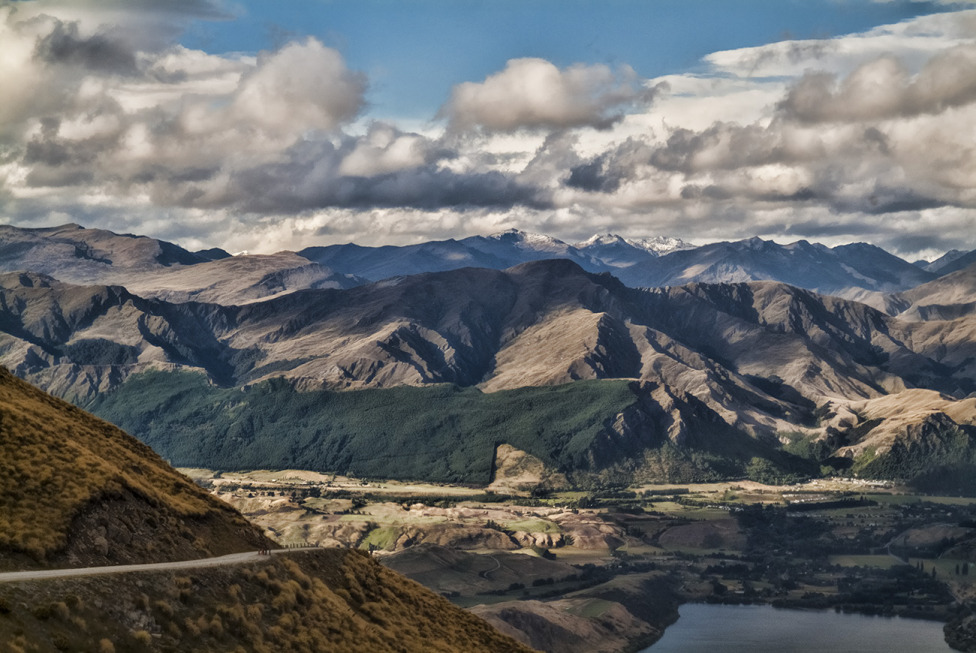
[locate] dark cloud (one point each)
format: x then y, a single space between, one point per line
291 188
59 177
309 177
826 229
710 192
56 162
727 146
206 9
105 52
897 200
593 176
588 176
172 177
896 240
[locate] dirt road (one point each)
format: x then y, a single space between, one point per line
231 559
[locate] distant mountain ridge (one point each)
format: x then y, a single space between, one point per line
154 268
836 271
847 270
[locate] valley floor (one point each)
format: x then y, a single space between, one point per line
604 570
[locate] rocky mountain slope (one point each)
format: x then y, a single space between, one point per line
738 370
77 491
486 327
754 359
947 298
75 254
952 261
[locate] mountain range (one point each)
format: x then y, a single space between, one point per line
852 271
756 376
154 268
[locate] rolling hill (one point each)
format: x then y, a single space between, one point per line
734 371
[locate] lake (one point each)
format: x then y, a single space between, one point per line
755 628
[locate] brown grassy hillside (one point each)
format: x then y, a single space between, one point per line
76 490
334 600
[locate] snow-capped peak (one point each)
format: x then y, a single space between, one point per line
539 242
600 239
659 244
653 244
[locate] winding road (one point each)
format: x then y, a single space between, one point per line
230 559
498 565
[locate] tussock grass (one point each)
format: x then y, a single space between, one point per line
328 600
55 460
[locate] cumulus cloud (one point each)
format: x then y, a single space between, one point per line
182 129
299 87
884 88
869 140
915 42
534 93
385 149
311 178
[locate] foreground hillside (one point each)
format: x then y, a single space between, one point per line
77 491
329 600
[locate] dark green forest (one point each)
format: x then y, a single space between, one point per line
437 433
447 434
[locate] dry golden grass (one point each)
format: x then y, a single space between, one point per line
328 600
56 459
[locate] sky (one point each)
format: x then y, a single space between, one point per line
260 126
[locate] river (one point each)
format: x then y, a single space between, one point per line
758 628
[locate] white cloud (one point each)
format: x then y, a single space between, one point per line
383 150
534 93
303 86
915 41
884 88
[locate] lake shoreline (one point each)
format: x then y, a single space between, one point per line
751 627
